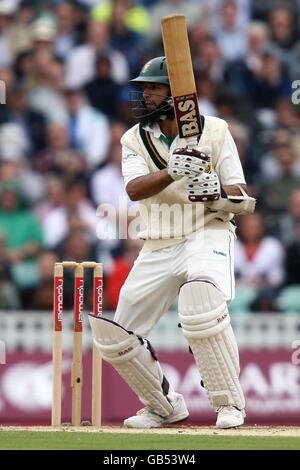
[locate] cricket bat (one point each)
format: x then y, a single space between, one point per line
181 76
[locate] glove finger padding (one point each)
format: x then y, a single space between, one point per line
188 162
203 188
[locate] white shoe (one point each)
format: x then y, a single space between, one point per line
146 418
230 417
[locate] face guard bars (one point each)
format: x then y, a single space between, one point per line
140 111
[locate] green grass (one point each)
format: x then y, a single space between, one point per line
34 440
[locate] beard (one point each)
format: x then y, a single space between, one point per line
144 115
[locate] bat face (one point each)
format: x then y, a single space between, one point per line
187 115
181 76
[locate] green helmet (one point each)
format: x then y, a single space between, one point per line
154 71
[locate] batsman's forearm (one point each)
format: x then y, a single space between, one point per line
234 190
148 185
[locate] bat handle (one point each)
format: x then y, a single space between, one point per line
192 142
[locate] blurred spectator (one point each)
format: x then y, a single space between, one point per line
18 28
257 39
126 36
7 76
38 73
81 61
292 266
103 92
9 295
43 33
242 138
271 169
77 247
88 129
7 9
42 294
70 165
14 167
287 116
136 16
208 58
281 22
13 141
57 143
108 193
58 157
23 67
229 35
268 81
31 122
66 37
211 10
276 193
77 213
198 33
285 224
231 107
54 196
206 89
107 183
23 237
192 12
294 63
261 10
46 94
120 270
259 258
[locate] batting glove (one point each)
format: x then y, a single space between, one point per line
188 162
203 188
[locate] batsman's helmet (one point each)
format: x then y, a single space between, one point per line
154 71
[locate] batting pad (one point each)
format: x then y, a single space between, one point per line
205 322
134 360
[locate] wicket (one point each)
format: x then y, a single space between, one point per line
76 376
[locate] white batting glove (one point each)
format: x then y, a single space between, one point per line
188 162
203 188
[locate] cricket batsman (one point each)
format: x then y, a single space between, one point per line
190 256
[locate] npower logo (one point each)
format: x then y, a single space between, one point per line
80 298
99 298
59 294
2 92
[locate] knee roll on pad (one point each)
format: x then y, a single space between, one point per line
135 361
205 322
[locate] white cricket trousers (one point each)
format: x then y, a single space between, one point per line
155 278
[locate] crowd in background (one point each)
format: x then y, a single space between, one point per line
66 67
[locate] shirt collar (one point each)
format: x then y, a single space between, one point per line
156 131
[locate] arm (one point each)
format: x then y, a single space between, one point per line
225 188
234 190
146 186
141 184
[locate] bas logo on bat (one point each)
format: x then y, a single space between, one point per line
186 108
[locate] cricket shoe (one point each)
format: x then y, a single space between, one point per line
230 417
146 418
